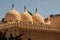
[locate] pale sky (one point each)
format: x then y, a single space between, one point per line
45 7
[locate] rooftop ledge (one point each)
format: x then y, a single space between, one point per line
31 26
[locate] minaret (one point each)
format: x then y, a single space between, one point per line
12 6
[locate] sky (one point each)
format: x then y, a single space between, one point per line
45 7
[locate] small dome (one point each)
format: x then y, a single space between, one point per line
26 17
37 17
12 15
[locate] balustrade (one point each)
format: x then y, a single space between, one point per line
30 25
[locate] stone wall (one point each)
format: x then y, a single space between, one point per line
33 31
33 34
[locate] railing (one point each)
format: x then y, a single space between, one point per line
30 25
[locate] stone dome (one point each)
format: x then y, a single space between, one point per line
12 15
25 16
37 18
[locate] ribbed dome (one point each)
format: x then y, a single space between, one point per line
37 17
26 17
12 15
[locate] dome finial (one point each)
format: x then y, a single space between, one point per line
12 6
36 9
25 8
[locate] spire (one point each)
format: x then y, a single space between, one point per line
12 6
24 8
36 10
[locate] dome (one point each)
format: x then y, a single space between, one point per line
37 17
12 15
26 17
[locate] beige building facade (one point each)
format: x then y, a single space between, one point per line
31 26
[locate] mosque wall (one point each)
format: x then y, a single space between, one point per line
30 32
55 20
40 35
33 34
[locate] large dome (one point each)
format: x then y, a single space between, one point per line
37 17
12 15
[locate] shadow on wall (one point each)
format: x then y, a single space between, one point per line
3 36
